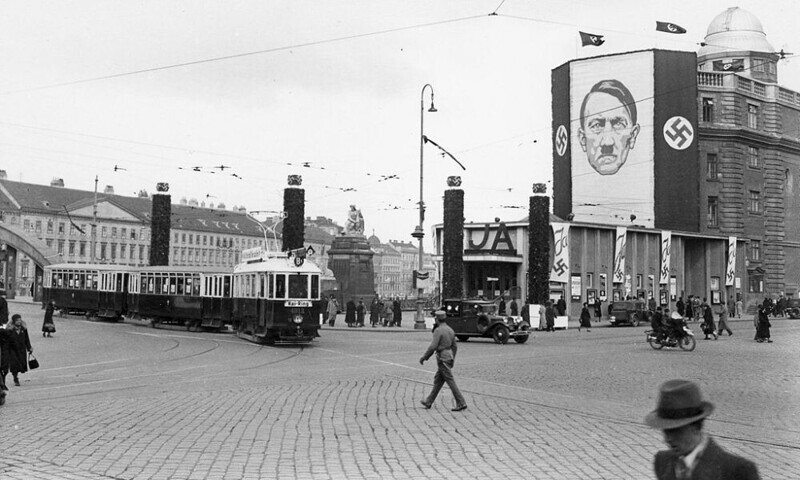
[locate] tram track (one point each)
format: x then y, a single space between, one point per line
611 418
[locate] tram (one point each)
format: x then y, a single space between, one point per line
88 289
192 297
276 297
271 297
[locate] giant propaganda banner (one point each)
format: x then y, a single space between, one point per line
611 115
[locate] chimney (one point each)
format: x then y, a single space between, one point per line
3 175
57 182
108 190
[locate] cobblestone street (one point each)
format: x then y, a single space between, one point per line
123 401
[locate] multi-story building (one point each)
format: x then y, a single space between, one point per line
409 256
62 219
674 174
388 264
749 148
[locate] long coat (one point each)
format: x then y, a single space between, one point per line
3 311
48 326
350 313
586 318
398 312
18 347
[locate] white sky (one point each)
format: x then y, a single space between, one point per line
336 84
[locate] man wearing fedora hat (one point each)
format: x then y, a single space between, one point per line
693 455
444 345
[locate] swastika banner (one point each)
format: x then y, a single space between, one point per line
730 270
666 249
620 245
560 272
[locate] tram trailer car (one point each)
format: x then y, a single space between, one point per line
197 298
276 299
94 290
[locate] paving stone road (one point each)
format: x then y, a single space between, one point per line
124 401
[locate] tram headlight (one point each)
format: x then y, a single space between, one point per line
298 319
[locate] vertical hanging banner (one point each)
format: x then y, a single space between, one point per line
730 270
560 272
619 254
666 249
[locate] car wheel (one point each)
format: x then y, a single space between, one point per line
500 334
462 338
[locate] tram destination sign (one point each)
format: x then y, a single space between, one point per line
297 303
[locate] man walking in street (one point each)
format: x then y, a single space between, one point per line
444 345
723 319
692 454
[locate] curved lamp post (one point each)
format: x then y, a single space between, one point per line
419 233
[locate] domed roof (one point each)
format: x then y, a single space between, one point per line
735 30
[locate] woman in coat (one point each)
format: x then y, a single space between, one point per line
361 310
708 323
397 316
350 313
19 346
48 327
762 330
586 318
333 309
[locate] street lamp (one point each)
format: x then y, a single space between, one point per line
419 233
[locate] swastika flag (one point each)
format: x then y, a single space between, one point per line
669 27
591 39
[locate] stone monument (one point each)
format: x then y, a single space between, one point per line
350 260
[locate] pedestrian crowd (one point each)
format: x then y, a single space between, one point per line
387 313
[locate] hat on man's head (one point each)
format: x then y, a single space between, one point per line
439 314
679 403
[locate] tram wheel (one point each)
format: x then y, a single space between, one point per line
462 338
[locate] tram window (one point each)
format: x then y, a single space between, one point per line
173 283
195 290
151 287
71 281
298 286
315 286
181 281
59 281
262 283
271 285
280 286
226 287
158 281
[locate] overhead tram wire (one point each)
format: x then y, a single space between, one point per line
240 55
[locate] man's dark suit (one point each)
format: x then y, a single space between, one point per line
714 463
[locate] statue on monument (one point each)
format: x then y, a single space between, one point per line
355 222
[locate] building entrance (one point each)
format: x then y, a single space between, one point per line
492 279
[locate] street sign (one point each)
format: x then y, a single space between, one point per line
492 279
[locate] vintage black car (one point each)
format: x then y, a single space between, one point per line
479 318
792 308
628 312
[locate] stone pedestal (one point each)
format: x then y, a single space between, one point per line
350 260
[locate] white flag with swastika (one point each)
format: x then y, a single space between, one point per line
666 250
620 245
560 272
730 270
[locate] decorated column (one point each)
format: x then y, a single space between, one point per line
539 246
295 208
160 219
453 242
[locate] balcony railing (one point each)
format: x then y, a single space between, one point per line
742 84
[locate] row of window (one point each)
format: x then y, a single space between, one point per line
712 163
276 286
211 240
754 206
108 251
36 226
707 113
197 256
